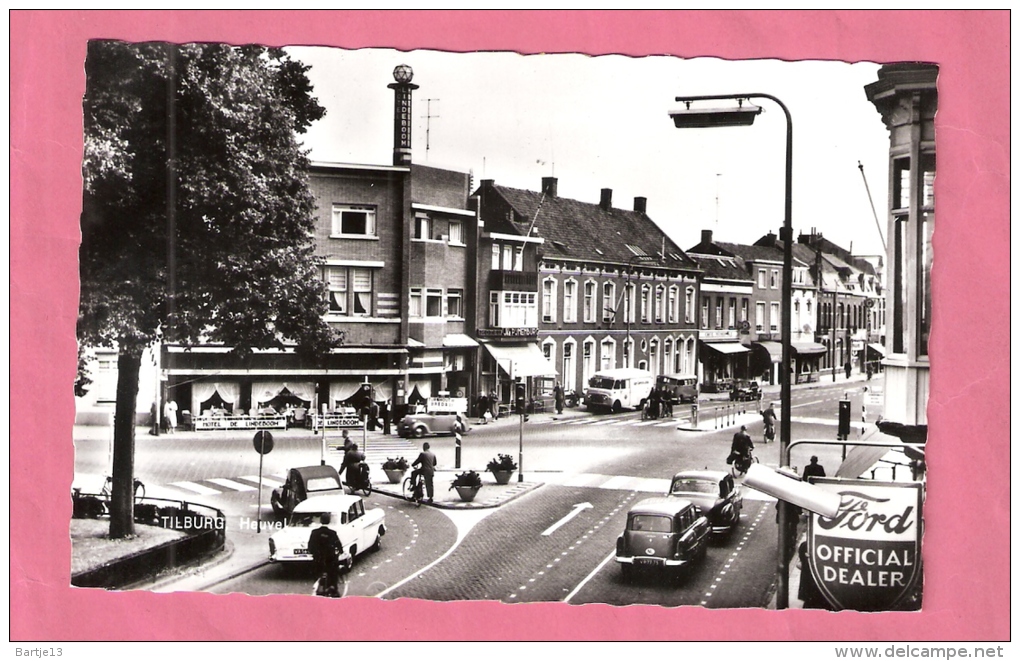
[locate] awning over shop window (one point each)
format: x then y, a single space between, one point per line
808 348
726 347
521 361
455 340
774 349
877 348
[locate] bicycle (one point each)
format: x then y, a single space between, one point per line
414 489
742 463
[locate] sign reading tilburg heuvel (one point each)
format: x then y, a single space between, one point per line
868 556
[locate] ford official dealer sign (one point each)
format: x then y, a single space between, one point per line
868 556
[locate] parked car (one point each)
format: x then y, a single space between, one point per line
304 483
358 529
424 424
682 388
714 493
662 533
745 391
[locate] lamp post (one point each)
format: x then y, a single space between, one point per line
744 116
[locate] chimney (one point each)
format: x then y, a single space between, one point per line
549 186
606 202
706 236
769 240
402 113
640 204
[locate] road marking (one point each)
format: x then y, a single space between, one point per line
577 509
197 488
230 484
267 482
817 401
587 578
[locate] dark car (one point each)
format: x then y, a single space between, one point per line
715 495
303 483
745 391
424 424
665 534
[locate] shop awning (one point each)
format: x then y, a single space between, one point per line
808 348
877 348
775 350
521 360
457 340
726 347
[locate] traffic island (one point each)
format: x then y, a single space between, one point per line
490 495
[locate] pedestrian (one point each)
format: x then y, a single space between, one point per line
870 372
558 397
813 470
384 413
769 417
170 413
494 405
849 368
483 407
346 438
427 462
325 548
808 591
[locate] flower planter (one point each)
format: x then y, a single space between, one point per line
394 475
467 494
502 477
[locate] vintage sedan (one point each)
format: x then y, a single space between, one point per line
358 529
745 391
662 533
425 424
304 483
714 493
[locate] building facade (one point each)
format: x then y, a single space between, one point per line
609 289
906 97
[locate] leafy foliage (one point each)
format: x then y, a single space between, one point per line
502 462
398 464
197 216
466 479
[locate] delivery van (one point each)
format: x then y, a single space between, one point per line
681 387
613 390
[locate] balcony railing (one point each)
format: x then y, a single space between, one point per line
513 281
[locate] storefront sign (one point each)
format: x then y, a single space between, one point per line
447 404
867 557
507 332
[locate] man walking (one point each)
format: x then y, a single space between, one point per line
325 547
426 463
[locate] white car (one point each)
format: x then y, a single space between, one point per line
358 529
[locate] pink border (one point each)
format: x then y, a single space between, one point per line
967 543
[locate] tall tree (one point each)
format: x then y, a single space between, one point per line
197 217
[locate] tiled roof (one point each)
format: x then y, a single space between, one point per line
586 231
719 267
752 253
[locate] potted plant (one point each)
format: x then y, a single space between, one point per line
502 467
395 469
467 485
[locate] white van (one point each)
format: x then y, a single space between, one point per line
611 390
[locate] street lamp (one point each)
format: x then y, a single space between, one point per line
744 116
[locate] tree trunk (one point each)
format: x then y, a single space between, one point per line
122 500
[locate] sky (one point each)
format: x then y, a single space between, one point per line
602 122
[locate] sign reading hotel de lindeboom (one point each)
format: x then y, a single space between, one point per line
867 557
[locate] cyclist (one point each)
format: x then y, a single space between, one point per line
353 459
741 448
427 462
769 416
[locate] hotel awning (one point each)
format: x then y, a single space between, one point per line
774 349
458 340
877 348
726 347
521 360
808 348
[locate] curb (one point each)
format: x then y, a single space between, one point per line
509 495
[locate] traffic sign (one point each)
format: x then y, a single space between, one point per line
263 442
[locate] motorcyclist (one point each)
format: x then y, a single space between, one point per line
741 447
353 460
325 548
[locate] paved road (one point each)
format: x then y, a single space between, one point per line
605 461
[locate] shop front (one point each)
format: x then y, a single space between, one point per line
721 363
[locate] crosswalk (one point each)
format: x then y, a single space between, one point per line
591 421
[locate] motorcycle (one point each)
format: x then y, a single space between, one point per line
358 478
